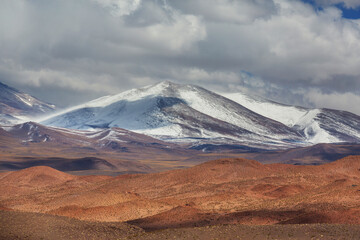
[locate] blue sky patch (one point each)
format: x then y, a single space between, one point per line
349 13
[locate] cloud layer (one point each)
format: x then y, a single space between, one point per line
282 49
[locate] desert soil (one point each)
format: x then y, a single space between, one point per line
230 197
34 226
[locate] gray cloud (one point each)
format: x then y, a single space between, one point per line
282 49
228 11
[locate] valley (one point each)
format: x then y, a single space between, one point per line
190 119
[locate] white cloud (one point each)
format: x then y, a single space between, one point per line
61 79
296 45
172 31
178 32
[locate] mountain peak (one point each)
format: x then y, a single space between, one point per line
165 84
160 87
171 85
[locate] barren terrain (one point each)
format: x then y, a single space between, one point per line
226 191
34 226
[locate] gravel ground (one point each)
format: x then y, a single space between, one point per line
20 225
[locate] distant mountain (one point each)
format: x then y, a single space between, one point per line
115 139
115 150
316 125
178 112
16 105
311 155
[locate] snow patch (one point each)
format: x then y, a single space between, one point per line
288 115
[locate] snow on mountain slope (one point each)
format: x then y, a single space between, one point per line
288 115
16 106
169 110
341 125
317 125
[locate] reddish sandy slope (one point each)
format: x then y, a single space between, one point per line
216 192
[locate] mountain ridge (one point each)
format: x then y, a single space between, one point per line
313 123
16 106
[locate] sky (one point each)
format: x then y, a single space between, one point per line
296 52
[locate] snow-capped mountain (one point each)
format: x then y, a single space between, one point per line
175 112
181 112
316 125
16 105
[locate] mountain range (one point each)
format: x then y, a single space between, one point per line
192 115
188 113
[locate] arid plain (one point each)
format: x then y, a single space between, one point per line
222 194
